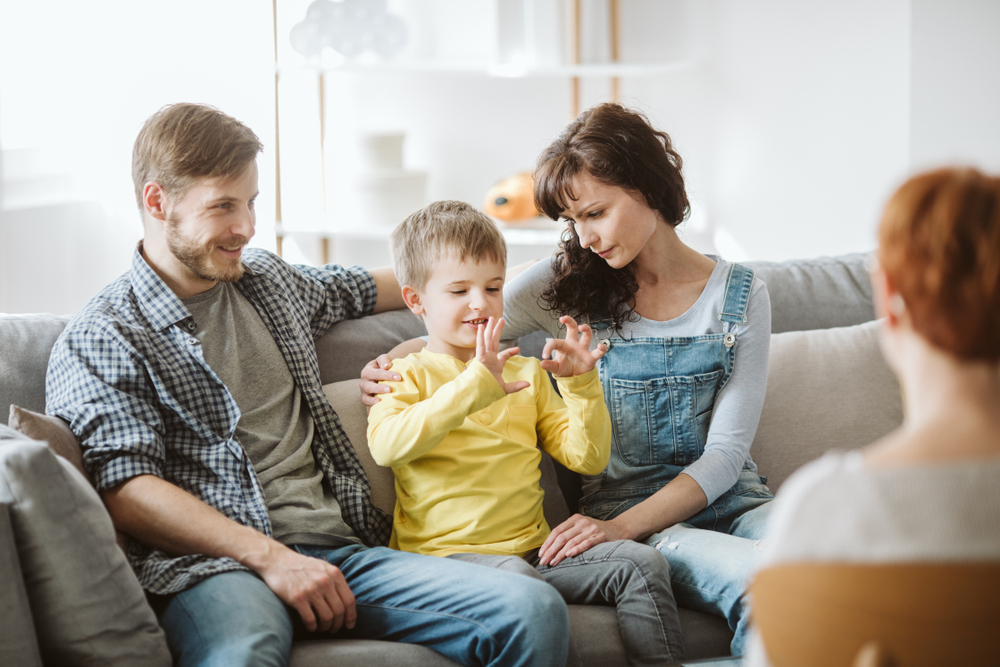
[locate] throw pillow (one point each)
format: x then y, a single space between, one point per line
60 438
826 389
86 602
51 430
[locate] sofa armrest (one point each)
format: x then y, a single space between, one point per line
18 645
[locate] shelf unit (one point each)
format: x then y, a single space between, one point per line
540 236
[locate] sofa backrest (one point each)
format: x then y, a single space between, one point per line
25 343
817 293
805 294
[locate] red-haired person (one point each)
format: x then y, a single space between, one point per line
929 491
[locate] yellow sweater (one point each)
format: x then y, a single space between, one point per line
464 453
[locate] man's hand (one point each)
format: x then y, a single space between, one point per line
374 372
574 536
164 516
488 353
313 587
572 354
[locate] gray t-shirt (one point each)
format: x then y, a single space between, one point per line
275 427
737 407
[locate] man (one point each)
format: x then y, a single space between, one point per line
192 385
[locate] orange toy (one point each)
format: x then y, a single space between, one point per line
512 199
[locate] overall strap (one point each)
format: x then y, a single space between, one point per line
738 284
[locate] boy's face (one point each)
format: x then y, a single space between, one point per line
460 295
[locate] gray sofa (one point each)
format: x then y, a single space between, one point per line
828 387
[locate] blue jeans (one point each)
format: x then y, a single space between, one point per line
471 614
714 554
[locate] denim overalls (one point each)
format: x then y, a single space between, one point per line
660 394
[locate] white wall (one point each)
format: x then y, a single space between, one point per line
796 120
77 80
955 89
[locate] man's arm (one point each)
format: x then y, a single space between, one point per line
163 516
390 296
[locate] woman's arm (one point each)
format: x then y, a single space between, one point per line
675 502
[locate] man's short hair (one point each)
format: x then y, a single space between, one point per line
437 229
181 143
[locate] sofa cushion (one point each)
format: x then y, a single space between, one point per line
817 293
826 389
26 341
17 631
86 603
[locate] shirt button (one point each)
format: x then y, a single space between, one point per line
190 326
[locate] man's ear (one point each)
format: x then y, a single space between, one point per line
412 299
154 200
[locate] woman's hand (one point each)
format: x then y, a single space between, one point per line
574 536
374 372
488 353
572 354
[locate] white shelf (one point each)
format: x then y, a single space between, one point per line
501 70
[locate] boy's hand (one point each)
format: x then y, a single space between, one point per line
572 354
489 355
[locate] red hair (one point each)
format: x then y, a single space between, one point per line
939 244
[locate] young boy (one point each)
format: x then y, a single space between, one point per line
461 431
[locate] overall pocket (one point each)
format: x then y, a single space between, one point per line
662 420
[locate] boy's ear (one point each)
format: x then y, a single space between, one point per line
412 299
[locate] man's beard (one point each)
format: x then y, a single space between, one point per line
197 258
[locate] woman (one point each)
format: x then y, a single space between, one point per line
685 373
928 491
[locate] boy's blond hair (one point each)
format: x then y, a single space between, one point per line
437 229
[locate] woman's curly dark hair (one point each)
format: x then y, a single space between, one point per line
618 147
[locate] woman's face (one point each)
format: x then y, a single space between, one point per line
610 221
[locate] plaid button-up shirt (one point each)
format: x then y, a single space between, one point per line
130 377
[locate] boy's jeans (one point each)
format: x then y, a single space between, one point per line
627 574
467 613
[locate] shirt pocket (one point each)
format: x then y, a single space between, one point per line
521 422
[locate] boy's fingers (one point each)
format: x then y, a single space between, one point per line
508 353
514 387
